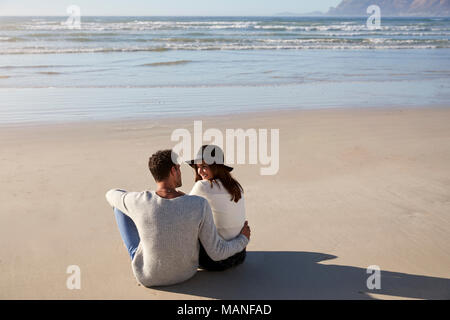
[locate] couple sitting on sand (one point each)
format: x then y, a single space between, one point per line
169 234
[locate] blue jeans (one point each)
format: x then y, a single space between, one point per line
128 231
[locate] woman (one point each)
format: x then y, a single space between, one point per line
214 182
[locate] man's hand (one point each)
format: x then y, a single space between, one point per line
246 230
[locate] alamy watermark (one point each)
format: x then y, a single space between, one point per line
234 145
374 20
74 19
74 280
374 280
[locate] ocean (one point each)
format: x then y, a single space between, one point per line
123 68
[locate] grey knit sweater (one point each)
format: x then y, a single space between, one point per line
169 230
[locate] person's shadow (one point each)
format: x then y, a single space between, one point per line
299 275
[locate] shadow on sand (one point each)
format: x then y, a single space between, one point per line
299 275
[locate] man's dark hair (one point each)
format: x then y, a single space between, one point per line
160 164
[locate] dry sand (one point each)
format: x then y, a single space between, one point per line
356 187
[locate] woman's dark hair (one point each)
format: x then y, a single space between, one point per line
230 184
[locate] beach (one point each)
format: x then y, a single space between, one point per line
358 205
356 187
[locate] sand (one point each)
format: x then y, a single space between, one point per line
356 187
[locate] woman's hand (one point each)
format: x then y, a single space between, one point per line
246 230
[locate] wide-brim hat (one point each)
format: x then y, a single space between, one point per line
210 154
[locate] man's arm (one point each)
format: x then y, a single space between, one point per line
216 247
116 199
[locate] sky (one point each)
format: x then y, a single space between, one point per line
163 7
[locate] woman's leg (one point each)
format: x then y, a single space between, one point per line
206 263
128 231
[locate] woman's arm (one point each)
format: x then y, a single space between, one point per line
198 189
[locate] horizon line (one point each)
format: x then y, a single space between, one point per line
273 15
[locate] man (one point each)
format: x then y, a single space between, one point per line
161 229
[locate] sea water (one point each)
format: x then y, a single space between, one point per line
114 68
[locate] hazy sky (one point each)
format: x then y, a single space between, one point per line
163 7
